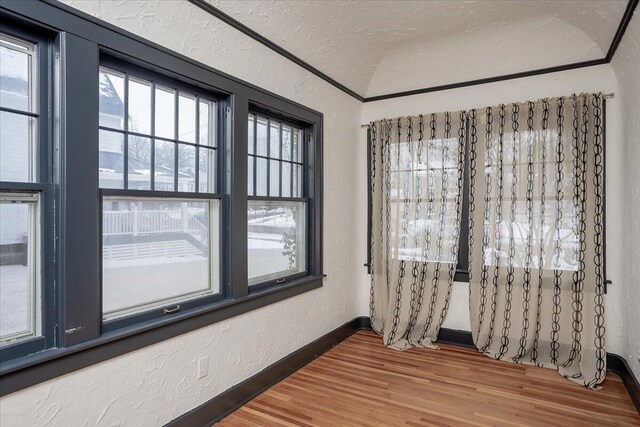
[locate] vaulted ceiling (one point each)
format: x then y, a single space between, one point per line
381 47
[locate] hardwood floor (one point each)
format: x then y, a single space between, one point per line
361 383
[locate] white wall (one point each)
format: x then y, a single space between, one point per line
158 383
626 64
153 385
592 79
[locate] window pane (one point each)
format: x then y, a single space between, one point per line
297 145
19 275
286 179
250 140
139 106
157 252
274 180
165 113
261 136
165 165
111 99
250 176
286 142
111 159
187 118
207 168
186 167
274 140
277 239
207 123
16 74
139 163
298 185
261 177
17 153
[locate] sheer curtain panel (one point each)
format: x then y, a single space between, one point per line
416 195
536 234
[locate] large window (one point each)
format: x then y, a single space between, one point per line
277 208
160 244
132 209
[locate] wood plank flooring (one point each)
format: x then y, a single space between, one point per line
361 383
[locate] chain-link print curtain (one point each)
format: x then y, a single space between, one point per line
416 193
536 234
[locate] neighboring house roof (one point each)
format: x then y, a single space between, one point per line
110 102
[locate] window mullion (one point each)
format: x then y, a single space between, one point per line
236 218
78 201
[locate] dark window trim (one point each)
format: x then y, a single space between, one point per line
81 340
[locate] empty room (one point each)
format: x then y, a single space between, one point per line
319 213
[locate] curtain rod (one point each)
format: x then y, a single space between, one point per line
605 96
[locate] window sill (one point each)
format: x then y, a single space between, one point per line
42 366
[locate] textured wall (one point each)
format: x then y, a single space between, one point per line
626 65
484 52
153 385
592 79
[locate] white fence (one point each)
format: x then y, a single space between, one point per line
145 222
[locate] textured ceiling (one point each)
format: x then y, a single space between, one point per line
379 47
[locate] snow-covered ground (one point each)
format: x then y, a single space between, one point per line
135 274
268 257
13 299
127 284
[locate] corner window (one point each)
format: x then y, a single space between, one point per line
277 206
160 210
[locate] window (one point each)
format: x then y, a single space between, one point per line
160 243
166 143
438 164
19 272
24 193
157 252
19 113
428 176
277 208
127 215
515 168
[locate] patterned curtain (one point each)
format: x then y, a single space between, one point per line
416 194
536 234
